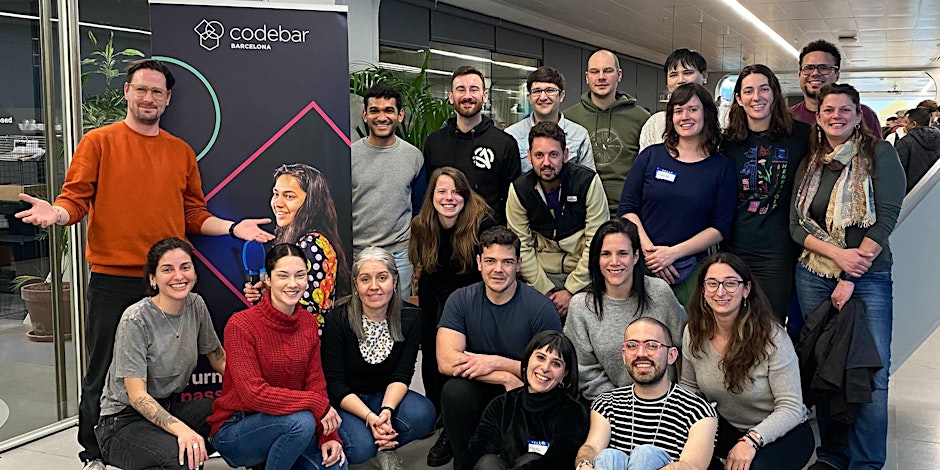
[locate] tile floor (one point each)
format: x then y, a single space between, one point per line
913 434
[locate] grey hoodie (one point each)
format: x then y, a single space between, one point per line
615 137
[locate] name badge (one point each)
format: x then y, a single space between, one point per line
539 447
571 198
665 175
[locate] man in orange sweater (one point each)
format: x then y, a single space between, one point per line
138 184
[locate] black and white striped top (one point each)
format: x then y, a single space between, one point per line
663 422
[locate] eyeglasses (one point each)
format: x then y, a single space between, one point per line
651 345
731 285
823 69
550 92
141 91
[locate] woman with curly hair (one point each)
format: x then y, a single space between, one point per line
681 193
736 354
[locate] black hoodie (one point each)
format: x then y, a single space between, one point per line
488 157
918 151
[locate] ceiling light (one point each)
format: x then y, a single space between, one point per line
482 59
746 14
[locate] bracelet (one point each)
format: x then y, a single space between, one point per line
754 442
59 213
231 230
584 462
389 408
756 434
749 441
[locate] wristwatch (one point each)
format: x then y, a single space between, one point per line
584 462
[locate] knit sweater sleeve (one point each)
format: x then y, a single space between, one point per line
889 185
592 378
81 178
784 375
486 438
194 201
411 330
244 370
687 377
333 349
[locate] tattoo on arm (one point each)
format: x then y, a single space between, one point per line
218 354
156 414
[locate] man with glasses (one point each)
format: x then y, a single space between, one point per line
546 88
652 423
471 143
138 184
819 66
613 119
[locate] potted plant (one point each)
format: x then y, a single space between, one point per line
97 110
425 113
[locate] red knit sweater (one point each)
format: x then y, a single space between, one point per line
136 189
272 366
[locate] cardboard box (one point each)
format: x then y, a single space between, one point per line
11 192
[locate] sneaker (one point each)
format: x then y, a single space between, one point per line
441 451
388 460
94 465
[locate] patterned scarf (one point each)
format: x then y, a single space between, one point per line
852 202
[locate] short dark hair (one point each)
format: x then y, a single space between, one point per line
548 129
685 56
666 333
711 131
382 90
820 45
282 250
891 118
502 236
467 70
545 74
558 343
157 250
150 64
919 116
929 105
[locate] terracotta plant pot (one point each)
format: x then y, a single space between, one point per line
38 299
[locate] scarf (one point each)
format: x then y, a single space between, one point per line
852 202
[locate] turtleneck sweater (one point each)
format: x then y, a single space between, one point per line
272 366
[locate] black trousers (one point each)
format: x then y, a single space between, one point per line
462 405
789 452
776 278
108 297
131 442
495 462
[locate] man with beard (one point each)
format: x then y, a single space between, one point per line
471 143
555 208
819 66
388 181
138 184
546 87
481 338
652 423
613 120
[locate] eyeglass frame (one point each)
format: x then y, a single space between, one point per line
738 282
646 346
549 92
152 91
808 69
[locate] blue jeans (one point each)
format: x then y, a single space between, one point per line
286 442
643 457
413 419
405 272
867 440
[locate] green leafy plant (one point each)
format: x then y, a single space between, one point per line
424 112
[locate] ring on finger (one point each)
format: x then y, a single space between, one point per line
195 445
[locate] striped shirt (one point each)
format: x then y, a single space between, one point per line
663 422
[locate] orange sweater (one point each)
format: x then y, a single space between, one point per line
136 190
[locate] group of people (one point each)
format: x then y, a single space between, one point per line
610 307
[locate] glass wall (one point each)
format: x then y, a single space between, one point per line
505 74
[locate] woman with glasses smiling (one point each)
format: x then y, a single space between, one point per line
736 354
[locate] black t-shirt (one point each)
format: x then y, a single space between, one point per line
766 173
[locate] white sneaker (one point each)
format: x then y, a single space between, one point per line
388 460
94 465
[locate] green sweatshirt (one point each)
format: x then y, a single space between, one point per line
615 136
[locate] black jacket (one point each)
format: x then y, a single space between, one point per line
838 361
918 151
488 157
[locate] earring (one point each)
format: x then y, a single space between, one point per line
745 303
561 384
153 286
858 126
819 134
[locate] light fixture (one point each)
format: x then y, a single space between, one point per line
482 59
410 69
746 14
